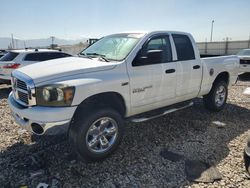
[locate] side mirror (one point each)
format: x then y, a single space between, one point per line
151 57
154 56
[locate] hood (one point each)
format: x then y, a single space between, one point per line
63 67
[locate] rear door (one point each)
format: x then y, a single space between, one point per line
189 67
151 83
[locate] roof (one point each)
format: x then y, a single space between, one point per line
152 32
33 50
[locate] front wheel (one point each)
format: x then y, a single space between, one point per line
95 135
217 97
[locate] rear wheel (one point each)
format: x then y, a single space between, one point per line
217 97
95 135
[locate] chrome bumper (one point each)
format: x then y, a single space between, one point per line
48 128
27 118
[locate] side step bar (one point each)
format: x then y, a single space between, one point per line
162 112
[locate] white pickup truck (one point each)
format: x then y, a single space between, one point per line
133 76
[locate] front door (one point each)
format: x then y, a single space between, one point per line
152 82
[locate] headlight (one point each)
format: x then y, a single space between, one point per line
55 95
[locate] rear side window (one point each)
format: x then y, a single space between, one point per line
44 56
35 57
10 56
58 55
184 47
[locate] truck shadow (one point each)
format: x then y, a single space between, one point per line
138 161
4 91
244 77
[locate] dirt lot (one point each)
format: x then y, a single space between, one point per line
152 154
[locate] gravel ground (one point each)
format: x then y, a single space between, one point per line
143 158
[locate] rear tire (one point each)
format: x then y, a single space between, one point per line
216 99
96 134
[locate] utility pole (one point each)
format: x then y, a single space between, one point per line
206 46
52 42
12 41
212 28
249 42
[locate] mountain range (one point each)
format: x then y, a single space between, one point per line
6 41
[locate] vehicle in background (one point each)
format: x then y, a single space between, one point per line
2 53
91 41
132 76
19 58
244 56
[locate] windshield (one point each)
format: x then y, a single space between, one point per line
244 52
9 56
114 47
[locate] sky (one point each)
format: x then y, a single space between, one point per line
32 19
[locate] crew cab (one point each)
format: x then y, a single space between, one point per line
135 76
14 59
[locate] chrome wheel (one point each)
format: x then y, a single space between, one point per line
101 135
220 96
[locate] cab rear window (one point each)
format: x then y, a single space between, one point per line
10 56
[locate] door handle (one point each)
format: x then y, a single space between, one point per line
168 71
196 67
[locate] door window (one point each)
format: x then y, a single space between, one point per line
184 47
159 43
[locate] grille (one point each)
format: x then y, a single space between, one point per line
22 91
242 61
21 84
23 97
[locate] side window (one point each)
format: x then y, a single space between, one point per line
31 57
184 47
44 56
9 56
58 55
160 43
36 57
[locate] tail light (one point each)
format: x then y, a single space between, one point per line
11 66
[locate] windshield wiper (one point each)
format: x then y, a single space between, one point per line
84 55
99 55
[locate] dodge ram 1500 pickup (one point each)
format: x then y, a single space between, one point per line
134 76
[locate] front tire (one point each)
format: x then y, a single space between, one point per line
96 134
216 99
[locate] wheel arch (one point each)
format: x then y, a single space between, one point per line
106 99
223 76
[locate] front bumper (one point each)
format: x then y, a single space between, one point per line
42 120
244 68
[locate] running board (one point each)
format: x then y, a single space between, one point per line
163 111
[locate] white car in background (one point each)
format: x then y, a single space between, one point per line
244 56
19 58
